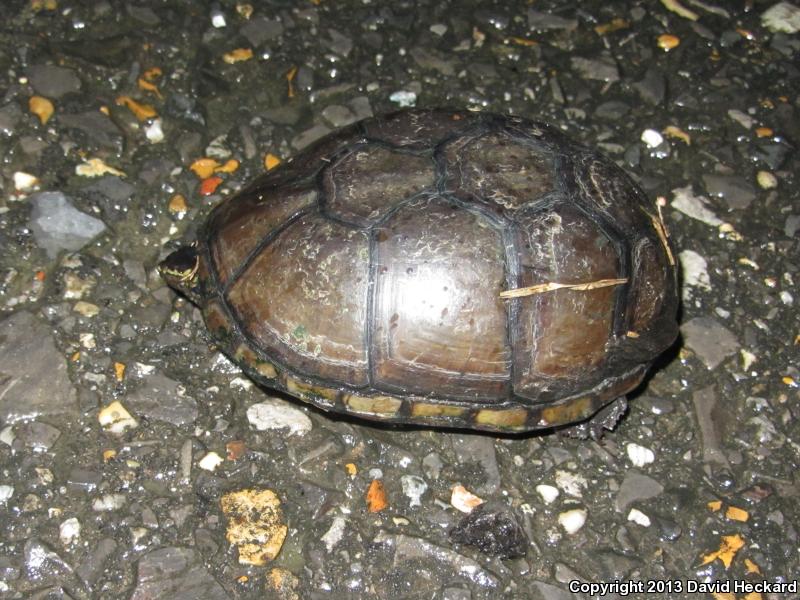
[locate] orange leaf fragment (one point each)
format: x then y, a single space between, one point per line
41 107
751 567
228 167
667 41
271 161
236 449
723 596
39 275
376 497
351 469
737 514
140 111
148 87
204 167
714 505
209 186
728 548
177 204
615 25
763 132
290 80
119 371
753 596
238 55
520 41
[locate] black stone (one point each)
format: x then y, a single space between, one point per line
493 529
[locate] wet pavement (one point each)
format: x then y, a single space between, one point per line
138 462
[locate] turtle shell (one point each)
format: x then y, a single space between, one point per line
366 275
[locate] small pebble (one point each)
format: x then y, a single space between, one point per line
439 29
783 17
275 413
87 309
403 98
572 520
639 455
639 517
334 534
210 461
571 483
115 418
153 132
218 19
108 502
6 491
766 180
548 493
25 182
69 531
464 500
413 487
652 138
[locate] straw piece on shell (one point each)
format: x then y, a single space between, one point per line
553 285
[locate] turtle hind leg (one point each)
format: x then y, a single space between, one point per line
595 426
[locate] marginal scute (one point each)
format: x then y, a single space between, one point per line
503 418
381 406
216 319
426 409
301 389
648 285
568 412
498 170
365 184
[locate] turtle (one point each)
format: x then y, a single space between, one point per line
440 267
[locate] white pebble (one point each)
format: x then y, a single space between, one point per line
87 340
571 483
652 138
6 491
210 461
572 520
413 487
218 19
115 419
153 132
782 17
7 435
69 531
439 29
275 413
694 269
404 98
548 493
639 518
24 182
108 502
639 455
335 533
464 500
787 298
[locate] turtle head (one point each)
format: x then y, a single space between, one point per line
180 270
